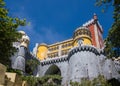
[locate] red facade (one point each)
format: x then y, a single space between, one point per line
96 32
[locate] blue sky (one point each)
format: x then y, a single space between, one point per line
55 20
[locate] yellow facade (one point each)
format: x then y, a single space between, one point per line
86 40
59 49
42 51
62 48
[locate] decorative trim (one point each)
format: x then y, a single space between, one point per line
102 52
55 60
83 48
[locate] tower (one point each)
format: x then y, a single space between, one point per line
19 62
82 36
82 58
96 32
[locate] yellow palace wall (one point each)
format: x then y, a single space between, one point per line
61 48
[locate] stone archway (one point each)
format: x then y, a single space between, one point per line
53 70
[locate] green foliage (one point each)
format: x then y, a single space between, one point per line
101 2
31 65
113 40
99 81
31 80
8 34
104 3
19 72
48 80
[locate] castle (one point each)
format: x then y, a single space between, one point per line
81 56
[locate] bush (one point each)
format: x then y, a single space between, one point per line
48 80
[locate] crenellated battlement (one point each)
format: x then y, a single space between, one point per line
54 60
82 49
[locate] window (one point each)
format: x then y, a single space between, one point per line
76 34
57 47
80 33
64 52
49 49
63 46
56 54
69 44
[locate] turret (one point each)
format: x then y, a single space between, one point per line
96 32
82 36
42 51
20 59
25 41
83 63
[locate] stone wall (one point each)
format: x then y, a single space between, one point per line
10 79
2 74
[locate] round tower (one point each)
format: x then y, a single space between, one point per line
83 61
42 51
82 36
20 59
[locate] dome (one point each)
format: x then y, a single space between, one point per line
81 28
22 32
43 44
82 31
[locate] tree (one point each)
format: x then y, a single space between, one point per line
8 34
30 69
113 40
